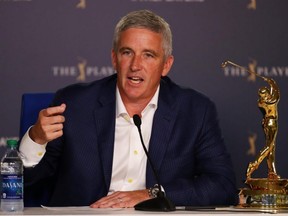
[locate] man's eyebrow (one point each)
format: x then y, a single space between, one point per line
124 48
153 52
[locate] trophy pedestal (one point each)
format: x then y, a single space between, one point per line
265 193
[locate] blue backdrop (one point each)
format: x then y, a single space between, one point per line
45 45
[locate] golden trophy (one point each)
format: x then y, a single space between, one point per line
270 192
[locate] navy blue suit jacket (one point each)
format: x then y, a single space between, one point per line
186 148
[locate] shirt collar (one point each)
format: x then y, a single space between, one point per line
121 110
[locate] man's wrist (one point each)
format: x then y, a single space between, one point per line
33 136
153 191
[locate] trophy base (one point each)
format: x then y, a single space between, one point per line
265 193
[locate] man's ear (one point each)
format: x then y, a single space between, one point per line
167 65
114 59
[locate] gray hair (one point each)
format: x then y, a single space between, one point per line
148 20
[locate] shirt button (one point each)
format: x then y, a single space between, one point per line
135 152
130 180
40 154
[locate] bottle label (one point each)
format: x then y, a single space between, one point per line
12 187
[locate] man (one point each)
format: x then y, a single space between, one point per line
94 153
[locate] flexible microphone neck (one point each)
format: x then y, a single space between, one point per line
160 203
138 122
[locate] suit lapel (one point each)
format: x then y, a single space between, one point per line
105 128
163 122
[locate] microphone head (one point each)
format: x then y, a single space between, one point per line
137 120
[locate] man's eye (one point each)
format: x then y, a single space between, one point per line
149 55
126 52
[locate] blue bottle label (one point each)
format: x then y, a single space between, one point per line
12 187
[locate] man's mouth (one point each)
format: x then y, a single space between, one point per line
135 79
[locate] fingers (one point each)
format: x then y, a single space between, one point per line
49 125
52 111
126 199
116 200
52 116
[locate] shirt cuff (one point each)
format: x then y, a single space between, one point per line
31 152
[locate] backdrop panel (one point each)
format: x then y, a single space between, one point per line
45 45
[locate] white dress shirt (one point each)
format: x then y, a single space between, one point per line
129 159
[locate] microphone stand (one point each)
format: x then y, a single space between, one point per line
161 202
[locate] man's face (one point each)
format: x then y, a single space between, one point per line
140 63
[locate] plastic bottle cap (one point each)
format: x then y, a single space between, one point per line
12 143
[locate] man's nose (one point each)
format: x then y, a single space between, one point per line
136 63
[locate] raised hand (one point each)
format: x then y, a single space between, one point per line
49 125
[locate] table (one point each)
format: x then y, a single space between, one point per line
84 211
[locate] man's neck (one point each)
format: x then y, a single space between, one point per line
135 107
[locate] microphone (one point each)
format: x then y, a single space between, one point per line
161 202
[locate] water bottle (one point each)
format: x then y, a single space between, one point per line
12 179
